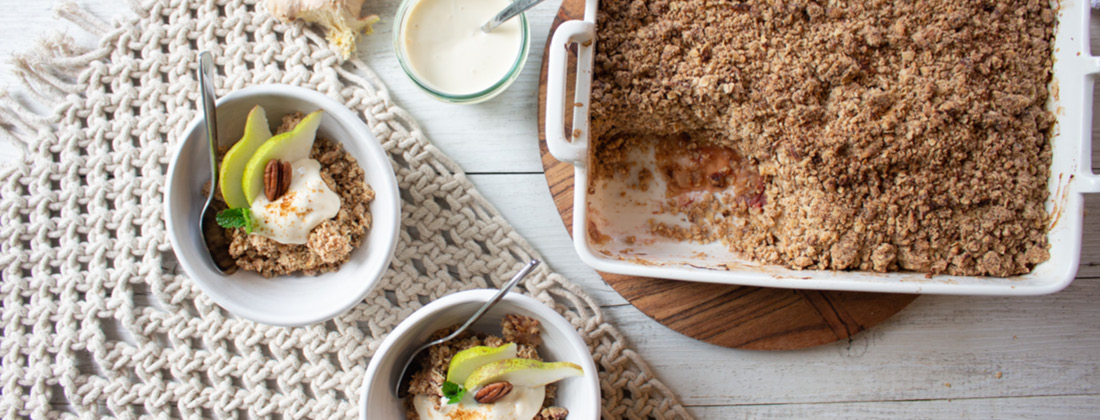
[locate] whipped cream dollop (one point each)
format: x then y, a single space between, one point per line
307 203
522 403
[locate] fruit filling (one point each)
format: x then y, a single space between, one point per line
690 166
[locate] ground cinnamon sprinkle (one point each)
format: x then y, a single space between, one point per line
890 135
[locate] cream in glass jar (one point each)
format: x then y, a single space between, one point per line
442 47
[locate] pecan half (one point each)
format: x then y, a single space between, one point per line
493 392
276 179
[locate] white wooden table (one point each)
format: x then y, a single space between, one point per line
944 356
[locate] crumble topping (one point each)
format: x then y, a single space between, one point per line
887 135
521 330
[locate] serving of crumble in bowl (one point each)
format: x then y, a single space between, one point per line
507 322
288 275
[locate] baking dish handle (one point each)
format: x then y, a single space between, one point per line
1087 181
571 32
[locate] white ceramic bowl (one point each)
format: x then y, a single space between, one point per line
286 300
561 343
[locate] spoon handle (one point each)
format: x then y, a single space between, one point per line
206 83
517 7
496 298
212 235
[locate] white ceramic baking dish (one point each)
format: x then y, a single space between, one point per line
1071 176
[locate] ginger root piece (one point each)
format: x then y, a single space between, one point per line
339 17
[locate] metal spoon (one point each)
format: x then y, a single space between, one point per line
514 9
406 376
212 234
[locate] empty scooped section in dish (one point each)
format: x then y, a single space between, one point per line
644 203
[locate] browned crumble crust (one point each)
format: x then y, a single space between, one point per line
522 330
330 244
552 413
906 135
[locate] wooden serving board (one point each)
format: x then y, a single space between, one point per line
753 318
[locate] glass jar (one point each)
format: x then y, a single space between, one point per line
400 24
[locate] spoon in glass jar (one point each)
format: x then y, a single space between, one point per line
513 10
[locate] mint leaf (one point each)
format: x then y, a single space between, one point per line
248 223
453 392
235 218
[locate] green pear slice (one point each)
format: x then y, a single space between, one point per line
256 132
465 361
289 146
522 372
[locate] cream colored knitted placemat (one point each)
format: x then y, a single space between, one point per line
98 322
